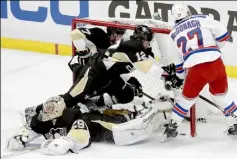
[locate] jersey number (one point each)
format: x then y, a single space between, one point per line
182 41
129 68
141 56
79 124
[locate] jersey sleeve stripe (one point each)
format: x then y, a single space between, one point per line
179 68
224 37
200 50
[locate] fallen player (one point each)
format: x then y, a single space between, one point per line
78 127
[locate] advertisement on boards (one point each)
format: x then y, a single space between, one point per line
50 21
41 13
145 9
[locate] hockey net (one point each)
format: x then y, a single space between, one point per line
212 118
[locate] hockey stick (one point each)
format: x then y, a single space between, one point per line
209 101
215 105
148 96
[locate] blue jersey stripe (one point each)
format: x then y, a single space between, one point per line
228 114
228 107
181 115
222 36
179 71
200 51
179 65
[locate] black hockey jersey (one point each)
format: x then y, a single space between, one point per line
62 125
97 37
132 48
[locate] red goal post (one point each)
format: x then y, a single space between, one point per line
131 27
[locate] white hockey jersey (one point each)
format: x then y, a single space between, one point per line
198 39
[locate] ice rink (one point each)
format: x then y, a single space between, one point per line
27 79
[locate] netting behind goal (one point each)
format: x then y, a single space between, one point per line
151 82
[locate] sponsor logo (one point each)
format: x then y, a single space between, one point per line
41 14
143 11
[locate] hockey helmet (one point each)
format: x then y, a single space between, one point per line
143 32
114 30
180 11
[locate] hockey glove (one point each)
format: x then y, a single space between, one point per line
150 53
82 59
75 67
136 86
170 69
171 80
83 56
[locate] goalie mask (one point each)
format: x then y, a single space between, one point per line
115 34
52 109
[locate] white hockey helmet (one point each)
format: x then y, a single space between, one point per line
180 11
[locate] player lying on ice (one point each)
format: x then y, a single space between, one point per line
76 128
104 73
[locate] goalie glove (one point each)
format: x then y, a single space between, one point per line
19 141
171 79
136 86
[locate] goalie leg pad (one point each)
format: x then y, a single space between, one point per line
138 129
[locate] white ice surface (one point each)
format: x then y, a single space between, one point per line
27 79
